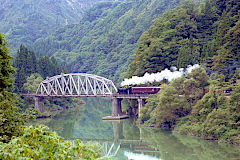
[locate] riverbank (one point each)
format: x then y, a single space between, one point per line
209 115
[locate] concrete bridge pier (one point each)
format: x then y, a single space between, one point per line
117 113
116 107
39 104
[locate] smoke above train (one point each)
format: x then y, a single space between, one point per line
167 74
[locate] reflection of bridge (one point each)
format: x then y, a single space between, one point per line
82 85
112 146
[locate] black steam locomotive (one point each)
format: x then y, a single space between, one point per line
138 90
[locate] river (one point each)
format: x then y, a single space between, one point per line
123 140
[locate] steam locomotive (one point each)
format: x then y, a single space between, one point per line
138 90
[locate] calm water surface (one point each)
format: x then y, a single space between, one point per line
123 140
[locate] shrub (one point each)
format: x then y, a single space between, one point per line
39 143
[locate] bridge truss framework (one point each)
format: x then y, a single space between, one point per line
76 84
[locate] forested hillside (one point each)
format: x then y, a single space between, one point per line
204 104
24 21
190 34
105 40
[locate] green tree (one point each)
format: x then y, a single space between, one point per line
39 143
21 58
48 67
56 68
227 52
167 109
32 63
6 69
32 83
26 64
10 118
20 79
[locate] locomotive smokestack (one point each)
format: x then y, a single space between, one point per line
165 74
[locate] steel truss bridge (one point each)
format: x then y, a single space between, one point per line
83 85
76 84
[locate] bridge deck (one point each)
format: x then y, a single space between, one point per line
116 95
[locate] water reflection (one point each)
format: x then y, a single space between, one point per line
62 121
184 147
124 140
90 125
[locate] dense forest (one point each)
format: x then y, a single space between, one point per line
104 41
26 64
24 21
206 34
190 34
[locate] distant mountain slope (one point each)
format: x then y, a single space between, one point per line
105 40
24 21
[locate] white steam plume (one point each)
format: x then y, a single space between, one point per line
165 74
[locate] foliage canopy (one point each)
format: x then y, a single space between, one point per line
10 118
39 143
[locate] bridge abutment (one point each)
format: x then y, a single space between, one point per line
39 104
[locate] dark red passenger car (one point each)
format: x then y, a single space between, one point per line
139 90
149 90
